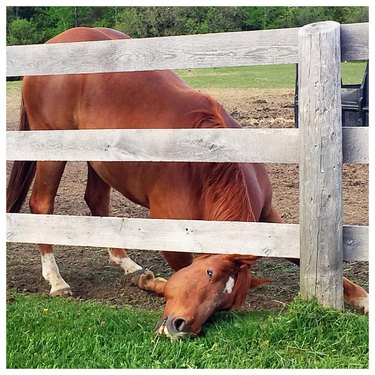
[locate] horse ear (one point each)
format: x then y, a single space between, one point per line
243 259
255 282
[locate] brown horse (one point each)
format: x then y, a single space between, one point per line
206 191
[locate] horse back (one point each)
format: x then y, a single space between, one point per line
87 34
136 100
151 99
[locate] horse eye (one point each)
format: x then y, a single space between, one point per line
209 274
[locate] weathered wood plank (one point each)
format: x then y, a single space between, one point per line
263 239
356 243
194 145
320 169
355 145
177 52
354 42
215 145
155 234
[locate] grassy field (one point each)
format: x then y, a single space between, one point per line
45 332
251 77
259 77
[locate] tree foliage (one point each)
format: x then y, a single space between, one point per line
22 31
27 25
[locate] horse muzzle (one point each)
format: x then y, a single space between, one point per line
174 328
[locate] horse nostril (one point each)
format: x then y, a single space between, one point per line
179 324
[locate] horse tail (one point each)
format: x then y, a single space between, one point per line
21 175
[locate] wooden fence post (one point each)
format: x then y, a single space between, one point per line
320 163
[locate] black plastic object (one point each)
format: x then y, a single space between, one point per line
354 102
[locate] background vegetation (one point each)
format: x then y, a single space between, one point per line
28 25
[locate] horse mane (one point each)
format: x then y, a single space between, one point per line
209 116
225 195
241 286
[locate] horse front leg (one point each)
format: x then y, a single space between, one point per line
148 282
97 197
177 260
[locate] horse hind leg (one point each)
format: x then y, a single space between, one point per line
97 197
47 180
354 295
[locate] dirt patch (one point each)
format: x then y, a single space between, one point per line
91 276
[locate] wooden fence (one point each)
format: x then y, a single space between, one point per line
320 146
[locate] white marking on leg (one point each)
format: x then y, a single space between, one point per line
362 303
229 285
51 273
128 265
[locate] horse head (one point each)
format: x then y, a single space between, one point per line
211 283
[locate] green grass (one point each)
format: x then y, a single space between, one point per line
47 332
13 85
259 77
251 77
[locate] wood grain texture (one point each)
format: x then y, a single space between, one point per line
320 124
193 145
244 48
356 243
263 239
354 42
355 145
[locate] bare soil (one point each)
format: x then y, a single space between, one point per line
88 270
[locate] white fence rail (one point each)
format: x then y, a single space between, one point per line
176 52
193 145
263 239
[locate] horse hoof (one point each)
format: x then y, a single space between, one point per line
140 276
363 305
65 292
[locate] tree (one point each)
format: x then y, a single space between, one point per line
22 31
51 21
355 14
297 16
38 24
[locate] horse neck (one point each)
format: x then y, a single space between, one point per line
225 195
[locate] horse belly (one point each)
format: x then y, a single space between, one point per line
128 178
164 188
